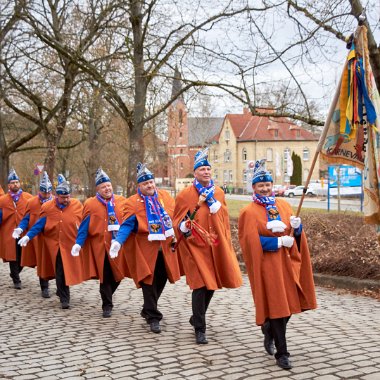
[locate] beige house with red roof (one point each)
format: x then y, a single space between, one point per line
244 138
235 141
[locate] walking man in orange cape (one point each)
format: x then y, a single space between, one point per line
58 222
148 232
32 254
277 263
12 209
206 252
102 216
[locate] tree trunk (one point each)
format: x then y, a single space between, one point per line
93 155
51 155
136 140
4 170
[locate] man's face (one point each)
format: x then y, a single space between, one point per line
14 186
105 190
263 188
64 199
44 195
147 187
203 175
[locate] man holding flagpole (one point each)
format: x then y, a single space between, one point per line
205 248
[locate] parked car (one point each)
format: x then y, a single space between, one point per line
298 191
278 190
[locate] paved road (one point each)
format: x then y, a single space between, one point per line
313 202
38 340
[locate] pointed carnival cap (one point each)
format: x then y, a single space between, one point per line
200 158
12 176
101 176
63 187
45 184
260 174
143 173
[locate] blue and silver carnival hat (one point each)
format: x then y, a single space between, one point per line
200 159
12 176
260 174
45 184
143 173
63 187
101 176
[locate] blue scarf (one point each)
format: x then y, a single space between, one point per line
160 225
113 223
208 192
44 200
274 220
15 196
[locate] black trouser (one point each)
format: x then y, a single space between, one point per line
15 266
151 293
44 283
278 332
200 300
63 291
108 286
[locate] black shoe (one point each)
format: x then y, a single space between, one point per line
200 337
107 313
45 293
155 327
191 321
283 362
65 305
268 339
17 285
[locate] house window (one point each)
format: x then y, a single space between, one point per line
306 154
216 174
180 134
181 165
181 151
227 156
215 155
244 154
225 176
230 175
180 118
269 154
305 174
227 135
286 154
276 133
244 176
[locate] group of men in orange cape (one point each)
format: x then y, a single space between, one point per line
152 238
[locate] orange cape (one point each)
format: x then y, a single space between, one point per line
281 282
11 218
140 253
211 266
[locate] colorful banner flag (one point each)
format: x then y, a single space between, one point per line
352 136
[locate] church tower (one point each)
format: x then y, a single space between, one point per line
179 165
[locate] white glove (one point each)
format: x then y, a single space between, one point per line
16 233
295 222
115 248
24 241
285 241
75 250
183 227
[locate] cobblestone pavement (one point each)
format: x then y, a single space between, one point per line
39 340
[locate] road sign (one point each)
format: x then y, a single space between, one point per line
40 167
